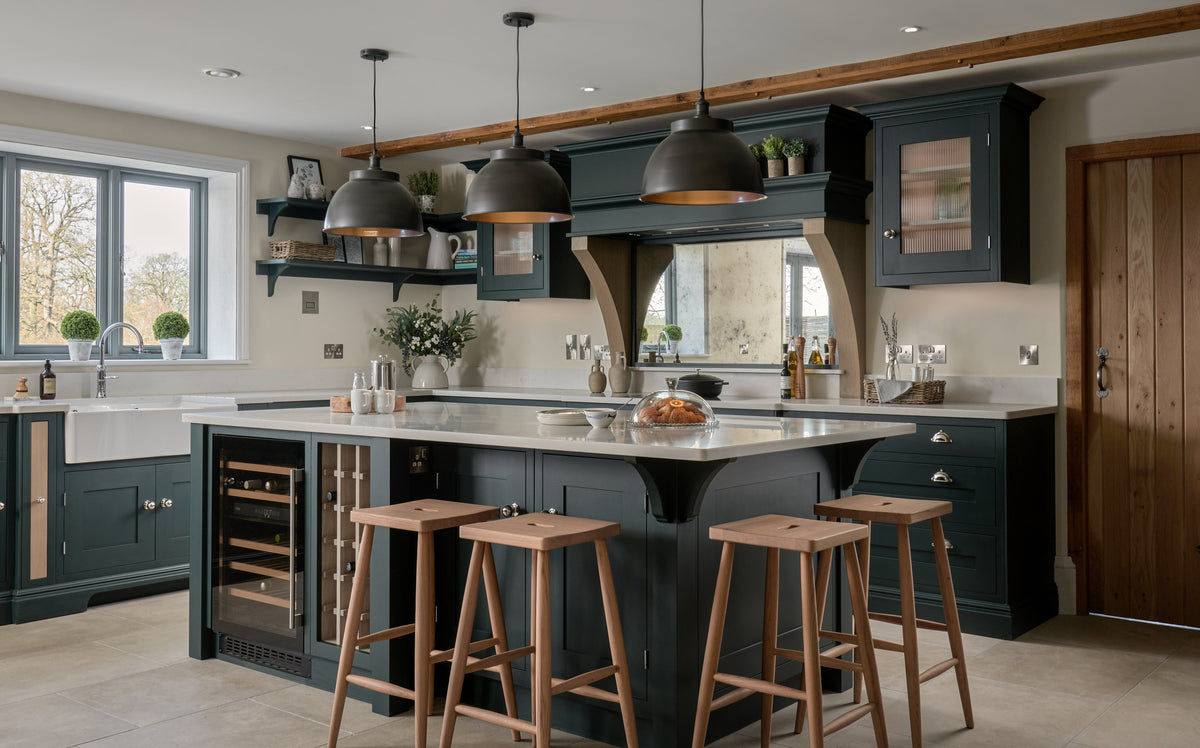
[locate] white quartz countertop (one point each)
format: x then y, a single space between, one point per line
516 426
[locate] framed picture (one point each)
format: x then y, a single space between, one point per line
309 169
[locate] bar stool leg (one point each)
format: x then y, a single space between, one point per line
812 653
712 649
770 641
616 643
864 563
950 609
866 645
824 567
358 592
491 586
423 639
461 641
908 623
542 651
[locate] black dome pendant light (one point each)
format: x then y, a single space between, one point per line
517 185
702 162
373 202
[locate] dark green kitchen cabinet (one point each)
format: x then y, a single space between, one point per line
108 519
952 187
8 509
173 491
38 453
529 260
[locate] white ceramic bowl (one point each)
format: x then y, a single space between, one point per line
600 418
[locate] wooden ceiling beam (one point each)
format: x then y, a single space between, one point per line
1014 46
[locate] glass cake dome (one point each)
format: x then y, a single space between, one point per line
672 408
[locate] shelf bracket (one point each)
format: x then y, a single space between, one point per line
675 488
273 273
398 282
273 213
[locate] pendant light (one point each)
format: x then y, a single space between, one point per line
702 162
373 202
517 185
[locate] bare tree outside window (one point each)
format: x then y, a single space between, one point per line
156 253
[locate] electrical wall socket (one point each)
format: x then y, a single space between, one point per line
333 350
903 357
931 354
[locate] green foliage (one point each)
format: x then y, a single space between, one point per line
674 332
645 334
423 332
772 146
423 182
795 148
80 325
171 325
756 150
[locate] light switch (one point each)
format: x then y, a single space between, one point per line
310 302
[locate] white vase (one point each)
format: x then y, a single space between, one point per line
79 350
430 373
172 348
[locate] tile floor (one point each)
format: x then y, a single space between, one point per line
118 675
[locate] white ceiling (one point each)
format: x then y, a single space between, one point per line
452 60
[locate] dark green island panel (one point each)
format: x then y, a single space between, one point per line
664 562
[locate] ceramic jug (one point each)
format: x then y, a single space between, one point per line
442 246
597 380
430 373
618 376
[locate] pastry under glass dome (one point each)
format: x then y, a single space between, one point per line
674 409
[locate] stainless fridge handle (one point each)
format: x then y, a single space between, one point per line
1102 356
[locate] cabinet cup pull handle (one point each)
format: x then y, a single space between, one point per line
512 510
1 506
941 437
166 504
889 234
941 476
149 505
949 545
40 500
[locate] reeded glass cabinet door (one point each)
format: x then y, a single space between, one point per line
511 256
935 188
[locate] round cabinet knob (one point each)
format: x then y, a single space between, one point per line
512 510
149 505
889 234
1 506
941 476
551 510
40 500
165 504
941 437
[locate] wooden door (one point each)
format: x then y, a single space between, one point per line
1141 417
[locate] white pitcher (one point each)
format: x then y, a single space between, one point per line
430 373
442 246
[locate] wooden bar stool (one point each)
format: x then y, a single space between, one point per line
424 517
902 513
540 533
776 532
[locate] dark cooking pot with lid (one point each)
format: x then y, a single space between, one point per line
704 385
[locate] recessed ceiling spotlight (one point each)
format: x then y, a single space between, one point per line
588 89
222 73
368 128
910 29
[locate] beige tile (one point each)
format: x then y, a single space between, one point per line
156 610
166 644
54 720
861 733
315 704
65 667
1161 711
1095 673
972 644
467 732
175 690
1098 632
242 724
54 633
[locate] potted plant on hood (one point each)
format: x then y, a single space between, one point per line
772 146
424 184
425 340
794 151
80 328
171 328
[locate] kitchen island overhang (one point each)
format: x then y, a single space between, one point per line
665 489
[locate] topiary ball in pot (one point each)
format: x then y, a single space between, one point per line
80 328
171 328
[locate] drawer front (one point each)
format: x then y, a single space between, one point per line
972 490
974 562
934 440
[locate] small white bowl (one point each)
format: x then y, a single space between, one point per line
600 418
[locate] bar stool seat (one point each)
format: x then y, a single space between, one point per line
423 517
903 513
776 533
539 533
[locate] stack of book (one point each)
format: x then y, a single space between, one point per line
466 259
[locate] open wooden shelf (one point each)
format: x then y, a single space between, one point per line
276 269
314 210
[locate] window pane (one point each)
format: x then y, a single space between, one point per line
157 233
57 252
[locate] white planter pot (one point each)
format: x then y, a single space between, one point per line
430 374
427 203
172 348
79 350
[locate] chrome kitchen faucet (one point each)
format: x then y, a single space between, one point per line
101 370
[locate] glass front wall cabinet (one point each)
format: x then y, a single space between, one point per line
952 187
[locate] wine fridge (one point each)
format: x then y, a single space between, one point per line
258 553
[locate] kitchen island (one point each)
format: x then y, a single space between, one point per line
276 600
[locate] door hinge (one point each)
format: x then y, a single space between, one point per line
989 241
64 498
437 481
64 547
646 503
989 139
435 614
645 659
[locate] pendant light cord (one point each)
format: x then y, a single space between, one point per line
517 139
701 50
374 107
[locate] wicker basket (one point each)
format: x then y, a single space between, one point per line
293 250
922 393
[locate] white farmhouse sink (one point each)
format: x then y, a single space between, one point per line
127 428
